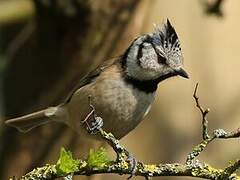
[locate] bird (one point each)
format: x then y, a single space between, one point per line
121 90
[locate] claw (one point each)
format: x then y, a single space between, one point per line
93 122
95 125
124 155
133 165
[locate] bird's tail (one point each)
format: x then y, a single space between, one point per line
27 122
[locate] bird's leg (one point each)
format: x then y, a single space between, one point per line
92 121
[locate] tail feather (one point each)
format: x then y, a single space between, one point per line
30 121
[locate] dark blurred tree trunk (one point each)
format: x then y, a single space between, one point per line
65 40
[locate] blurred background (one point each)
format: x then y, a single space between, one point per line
46 45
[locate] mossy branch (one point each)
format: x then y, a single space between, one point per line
48 172
99 163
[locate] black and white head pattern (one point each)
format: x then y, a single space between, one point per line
155 56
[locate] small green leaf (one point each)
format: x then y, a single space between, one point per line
66 164
98 158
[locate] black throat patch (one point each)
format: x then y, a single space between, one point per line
147 86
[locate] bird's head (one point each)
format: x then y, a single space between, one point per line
155 56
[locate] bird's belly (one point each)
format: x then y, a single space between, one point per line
119 105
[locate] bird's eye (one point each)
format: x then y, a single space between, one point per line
161 59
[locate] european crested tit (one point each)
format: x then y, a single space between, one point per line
122 90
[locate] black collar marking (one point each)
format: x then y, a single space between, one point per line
147 86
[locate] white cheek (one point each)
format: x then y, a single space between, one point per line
149 64
149 59
149 67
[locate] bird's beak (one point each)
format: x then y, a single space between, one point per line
183 73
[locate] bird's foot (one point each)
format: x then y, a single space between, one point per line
124 156
133 162
94 126
93 122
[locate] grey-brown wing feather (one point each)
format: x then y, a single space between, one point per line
91 76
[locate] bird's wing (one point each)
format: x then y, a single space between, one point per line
91 76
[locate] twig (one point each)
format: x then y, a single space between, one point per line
227 135
206 137
218 133
231 169
204 115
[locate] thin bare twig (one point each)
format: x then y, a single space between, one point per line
227 135
204 113
233 167
218 133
